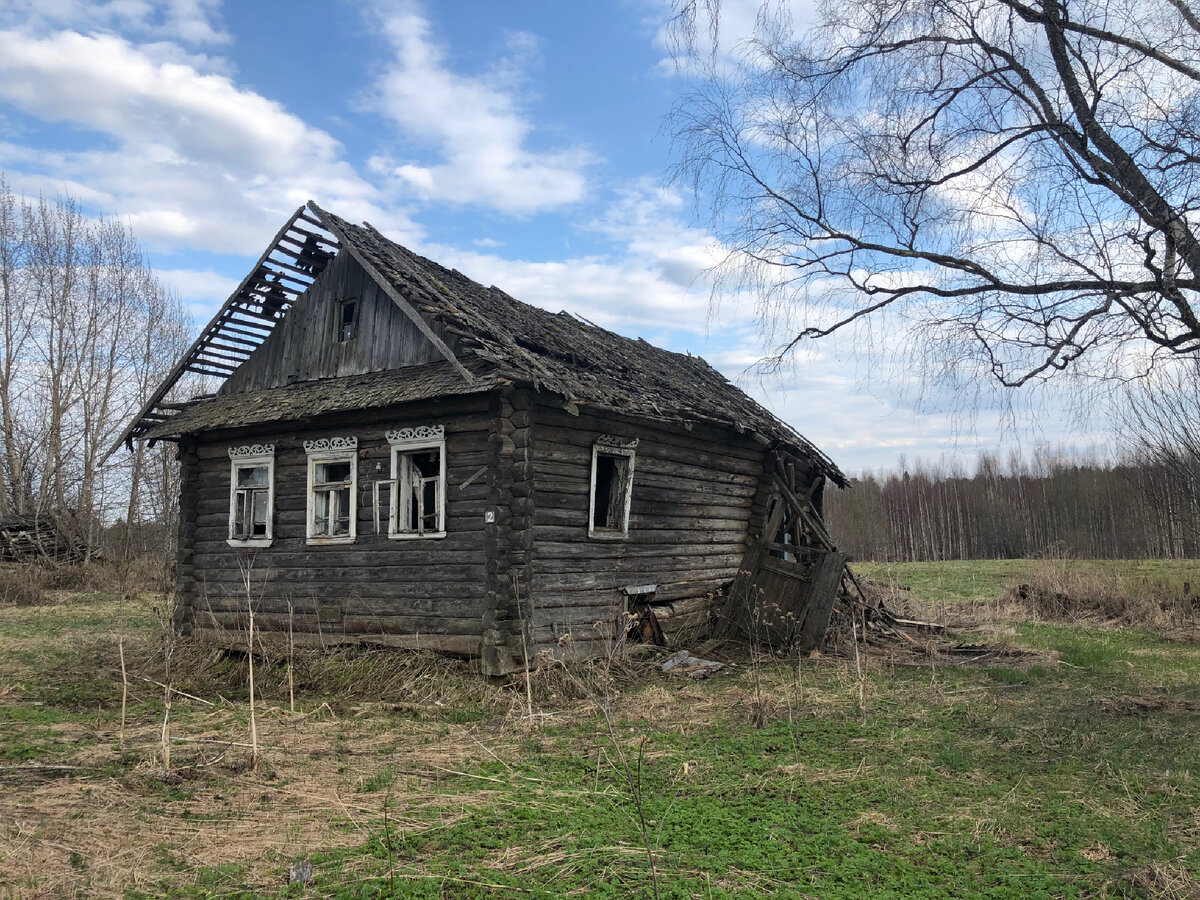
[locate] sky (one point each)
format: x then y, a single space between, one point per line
523 143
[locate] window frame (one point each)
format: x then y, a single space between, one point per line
339 321
331 450
251 456
613 446
405 441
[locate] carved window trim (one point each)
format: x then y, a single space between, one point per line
251 456
612 469
405 443
331 450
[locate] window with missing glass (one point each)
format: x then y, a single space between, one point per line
346 320
332 489
612 486
251 495
417 488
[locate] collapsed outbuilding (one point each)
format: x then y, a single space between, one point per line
399 455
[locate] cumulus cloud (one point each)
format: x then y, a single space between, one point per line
474 123
191 158
195 22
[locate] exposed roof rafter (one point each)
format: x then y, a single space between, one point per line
248 317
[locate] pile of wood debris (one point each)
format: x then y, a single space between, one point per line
42 537
861 615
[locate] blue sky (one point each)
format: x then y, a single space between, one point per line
521 142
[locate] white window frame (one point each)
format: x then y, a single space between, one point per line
251 456
612 445
331 450
404 441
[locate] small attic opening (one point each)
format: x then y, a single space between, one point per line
346 319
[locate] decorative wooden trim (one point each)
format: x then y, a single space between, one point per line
616 442
321 445
420 434
251 450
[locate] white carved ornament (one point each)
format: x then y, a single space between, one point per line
417 435
251 450
615 440
334 443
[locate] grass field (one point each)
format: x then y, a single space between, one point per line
1069 772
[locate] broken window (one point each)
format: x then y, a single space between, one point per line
417 489
332 489
347 320
251 495
612 486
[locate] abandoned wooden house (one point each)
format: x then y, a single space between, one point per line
399 455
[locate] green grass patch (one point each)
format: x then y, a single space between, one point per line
1072 777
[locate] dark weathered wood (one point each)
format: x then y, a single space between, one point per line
821 594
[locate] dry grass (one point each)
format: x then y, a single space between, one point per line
22 586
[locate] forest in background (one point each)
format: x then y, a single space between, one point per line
87 330
1144 505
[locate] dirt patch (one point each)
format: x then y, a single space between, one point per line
70 827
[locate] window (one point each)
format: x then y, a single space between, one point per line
346 322
251 495
612 486
332 490
418 485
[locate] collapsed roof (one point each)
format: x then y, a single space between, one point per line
499 337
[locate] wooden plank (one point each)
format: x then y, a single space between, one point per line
821 595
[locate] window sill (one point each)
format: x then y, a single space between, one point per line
614 535
340 539
414 536
252 542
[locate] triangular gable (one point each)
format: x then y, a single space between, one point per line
293 260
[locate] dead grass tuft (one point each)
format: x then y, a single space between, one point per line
1069 593
23 586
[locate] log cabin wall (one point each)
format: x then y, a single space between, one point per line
415 592
304 345
692 496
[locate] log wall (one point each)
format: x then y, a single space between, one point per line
303 345
693 493
434 590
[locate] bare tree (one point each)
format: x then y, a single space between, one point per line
1018 179
87 331
1160 427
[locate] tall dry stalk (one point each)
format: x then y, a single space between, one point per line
859 672
165 736
124 687
291 653
246 567
250 660
516 583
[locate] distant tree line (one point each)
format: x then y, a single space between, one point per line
86 331
1053 505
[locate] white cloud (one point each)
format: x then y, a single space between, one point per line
474 123
201 291
188 21
197 161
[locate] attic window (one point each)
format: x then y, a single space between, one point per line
332 490
612 486
346 324
251 495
